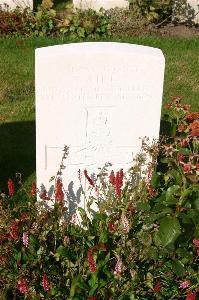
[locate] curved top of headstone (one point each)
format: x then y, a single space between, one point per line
98 47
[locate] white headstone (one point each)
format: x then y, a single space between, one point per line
186 11
97 98
97 4
194 4
12 4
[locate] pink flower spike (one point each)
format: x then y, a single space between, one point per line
88 178
196 242
11 188
25 239
185 284
118 267
22 286
125 223
33 189
91 261
59 194
14 231
45 283
112 178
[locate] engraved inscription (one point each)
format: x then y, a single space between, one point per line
98 129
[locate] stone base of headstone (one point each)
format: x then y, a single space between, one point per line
12 4
186 11
97 4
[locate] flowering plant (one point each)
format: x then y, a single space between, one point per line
142 243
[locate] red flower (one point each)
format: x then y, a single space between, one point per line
197 166
196 242
43 195
181 127
24 217
184 143
45 283
112 227
22 286
14 230
151 191
92 298
192 116
59 194
181 157
11 188
33 189
119 182
157 287
191 296
91 261
186 106
194 133
168 105
112 178
194 125
88 178
131 208
187 168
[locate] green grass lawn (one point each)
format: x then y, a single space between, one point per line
17 107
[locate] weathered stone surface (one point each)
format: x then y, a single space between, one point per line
97 4
97 98
12 4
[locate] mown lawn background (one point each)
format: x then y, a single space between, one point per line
17 98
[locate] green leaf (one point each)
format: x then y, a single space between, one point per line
155 180
178 268
152 253
184 151
73 287
81 32
143 206
61 251
196 203
169 231
193 215
171 194
196 232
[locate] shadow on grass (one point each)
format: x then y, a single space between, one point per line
17 151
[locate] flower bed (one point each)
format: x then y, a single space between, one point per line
143 243
144 16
